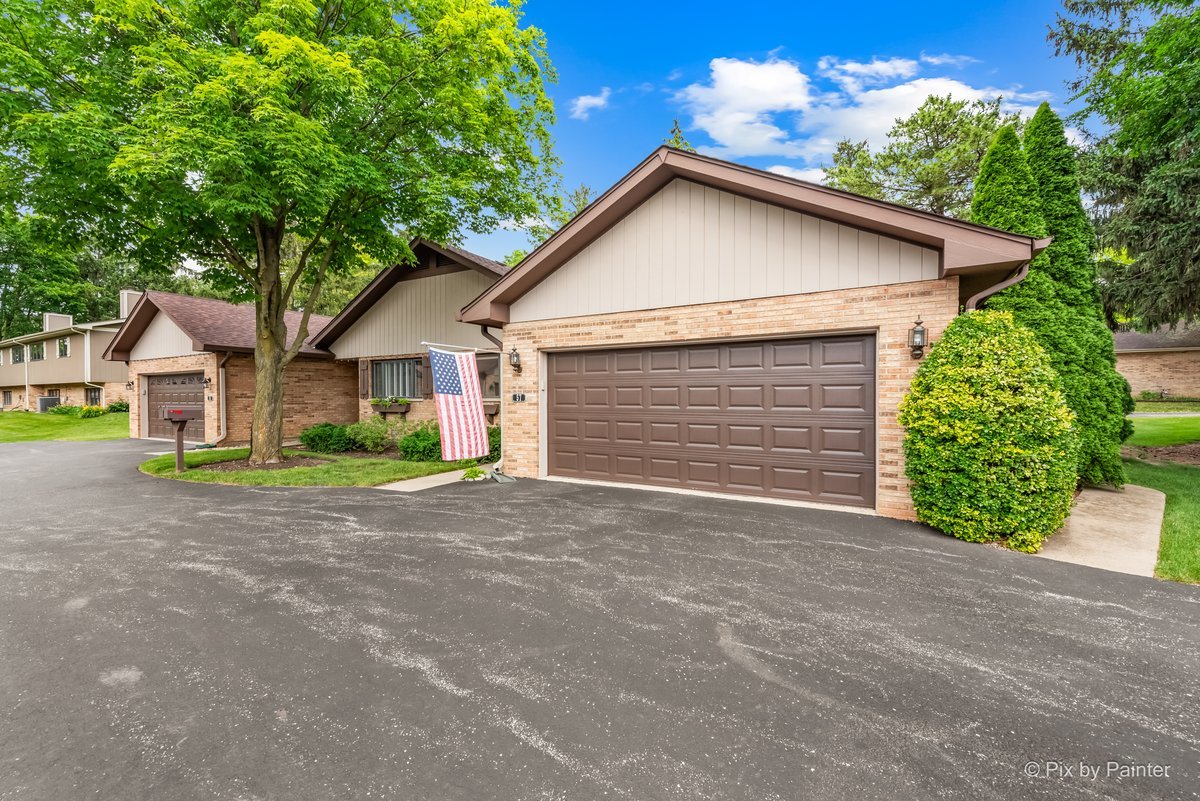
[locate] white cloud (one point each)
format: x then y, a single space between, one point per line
946 59
773 108
814 175
584 105
852 76
736 107
675 74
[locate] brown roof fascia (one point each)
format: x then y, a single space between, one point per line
388 277
132 329
966 248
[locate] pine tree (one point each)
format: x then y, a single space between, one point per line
1008 196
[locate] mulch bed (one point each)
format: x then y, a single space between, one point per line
1180 454
238 465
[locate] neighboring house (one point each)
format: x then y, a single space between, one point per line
383 331
63 364
185 350
708 326
1165 362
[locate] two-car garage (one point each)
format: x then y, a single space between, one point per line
789 418
707 326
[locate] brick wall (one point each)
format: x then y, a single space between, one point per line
889 310
314 391
1177 372
195 363
71 394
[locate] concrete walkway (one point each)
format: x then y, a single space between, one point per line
1111 529
429 482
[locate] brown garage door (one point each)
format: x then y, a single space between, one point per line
785 419
168 390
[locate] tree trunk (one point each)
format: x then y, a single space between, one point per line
270 349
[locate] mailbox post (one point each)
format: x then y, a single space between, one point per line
180 415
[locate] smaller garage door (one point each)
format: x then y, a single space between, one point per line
169 390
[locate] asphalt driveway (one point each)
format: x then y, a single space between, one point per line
161 640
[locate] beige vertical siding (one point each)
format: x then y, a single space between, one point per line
105 371
52 370
161 340
416 310
692 244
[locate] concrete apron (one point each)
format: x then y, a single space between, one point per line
429 482
1111 529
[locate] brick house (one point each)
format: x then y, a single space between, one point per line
1164 362
382 333
63 364
183 349
707 326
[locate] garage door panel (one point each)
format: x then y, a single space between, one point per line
747 397
665 397
701 359
789 419
703 397
846 352
844 397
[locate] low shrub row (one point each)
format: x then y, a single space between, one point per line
416 442
88 412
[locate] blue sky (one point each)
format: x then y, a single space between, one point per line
772 84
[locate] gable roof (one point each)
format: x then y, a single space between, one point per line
1162 338
433 259
212 325
969 250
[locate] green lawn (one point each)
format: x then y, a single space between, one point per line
1179 548
1153 431
1167 406
30 427
339 471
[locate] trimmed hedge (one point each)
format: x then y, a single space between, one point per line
990 444
327 438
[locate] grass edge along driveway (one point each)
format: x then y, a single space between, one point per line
339 471
34 427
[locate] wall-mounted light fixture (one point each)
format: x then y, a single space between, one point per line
514 359
207 382
128 385
917 339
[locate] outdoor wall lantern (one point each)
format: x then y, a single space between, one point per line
514 359
916 339
207 382
128 385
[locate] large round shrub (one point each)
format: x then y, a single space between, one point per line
327 438
990 446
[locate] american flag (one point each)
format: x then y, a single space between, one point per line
459 405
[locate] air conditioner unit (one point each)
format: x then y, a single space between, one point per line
45 402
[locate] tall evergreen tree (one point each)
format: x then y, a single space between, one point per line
1007 196
1055 167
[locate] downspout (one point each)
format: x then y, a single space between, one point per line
25 361
221 379
1017 277
483 329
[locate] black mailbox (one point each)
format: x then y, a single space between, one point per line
183 413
